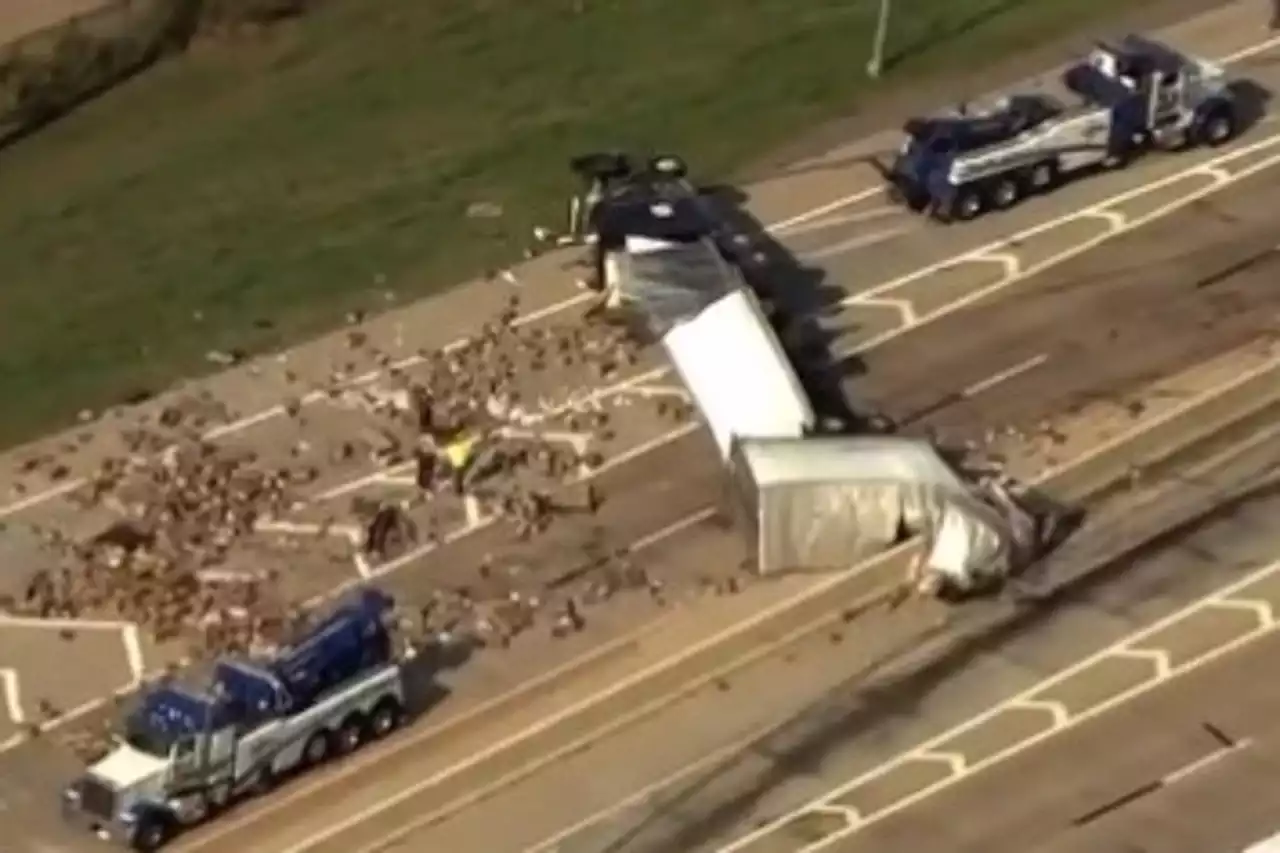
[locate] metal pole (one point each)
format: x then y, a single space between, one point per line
876 63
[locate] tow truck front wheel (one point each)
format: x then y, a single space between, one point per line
151 834
966 205
1217 128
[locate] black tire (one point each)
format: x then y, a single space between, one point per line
1118 159
1217 129
264 780
385 719
1005 192
602 165
317 749
967 205
1043 177
350 735
669 166
216 798
151 834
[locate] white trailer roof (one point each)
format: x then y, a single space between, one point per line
738 373
850 459
672 283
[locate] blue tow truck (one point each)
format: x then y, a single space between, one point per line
186 754
1134 95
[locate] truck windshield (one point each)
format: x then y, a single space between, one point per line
146 738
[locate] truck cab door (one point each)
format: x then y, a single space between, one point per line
1166 99
187 758
222 749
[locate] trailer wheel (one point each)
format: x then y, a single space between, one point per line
1218 128
351 734
317 749
1005 193
386 718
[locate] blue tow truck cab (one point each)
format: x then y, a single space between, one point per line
185 754
1134 96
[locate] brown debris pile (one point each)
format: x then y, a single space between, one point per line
466 419
178 514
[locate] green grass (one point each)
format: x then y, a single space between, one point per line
282 178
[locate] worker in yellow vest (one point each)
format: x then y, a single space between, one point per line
459 453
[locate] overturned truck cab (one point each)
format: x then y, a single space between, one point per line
830 502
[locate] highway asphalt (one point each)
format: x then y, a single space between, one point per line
1103 343
830 704
406 807
1188 766
878 285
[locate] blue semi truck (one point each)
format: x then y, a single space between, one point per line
1134 95
185 754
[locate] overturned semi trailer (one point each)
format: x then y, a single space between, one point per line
716 334
829 502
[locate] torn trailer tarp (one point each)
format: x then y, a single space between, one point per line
827 503
717 337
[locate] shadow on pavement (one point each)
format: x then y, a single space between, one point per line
801 302
801 744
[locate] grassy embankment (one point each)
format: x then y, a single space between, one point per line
272 183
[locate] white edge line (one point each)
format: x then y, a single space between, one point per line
1005 375
1091 713
56 624
822 210
1204 762
132 639
12 695
861 241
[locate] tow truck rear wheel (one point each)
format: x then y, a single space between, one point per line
1005 193
317 749
1042 177
385 718
350 734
